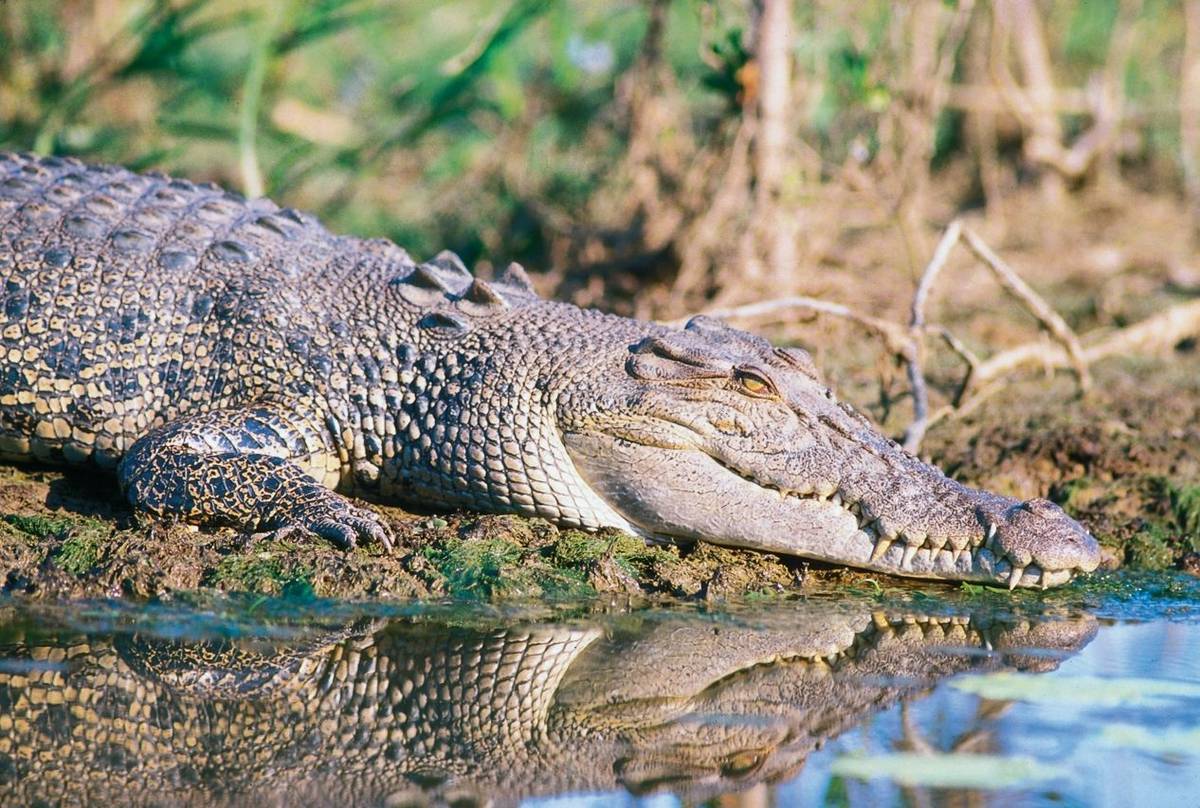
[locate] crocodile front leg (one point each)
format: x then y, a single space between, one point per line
243 468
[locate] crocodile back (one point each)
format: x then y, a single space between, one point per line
128 299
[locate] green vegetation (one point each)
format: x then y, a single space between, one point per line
487 567
503 131
37 526
80 552
271 570
82 540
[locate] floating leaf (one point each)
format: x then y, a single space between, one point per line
1091 691
1171 741
947 770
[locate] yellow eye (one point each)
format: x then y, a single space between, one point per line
754 384
742 764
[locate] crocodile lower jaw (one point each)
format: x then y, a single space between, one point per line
920 555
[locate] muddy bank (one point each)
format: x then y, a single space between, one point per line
64 536
1125 460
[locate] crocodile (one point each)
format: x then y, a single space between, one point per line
236 364
440 711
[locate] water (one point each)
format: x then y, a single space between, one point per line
1088 698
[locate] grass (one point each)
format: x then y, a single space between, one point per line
39 527
265 571
80 553
82 539
335 104
481 568
576 550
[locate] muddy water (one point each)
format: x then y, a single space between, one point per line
904 699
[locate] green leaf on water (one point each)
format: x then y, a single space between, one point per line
1089 691
947 770
1170 742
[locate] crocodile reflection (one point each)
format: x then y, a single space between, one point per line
419 712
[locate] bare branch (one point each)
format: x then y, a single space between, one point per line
936 264
1152 335
894 335
915 361
1047 316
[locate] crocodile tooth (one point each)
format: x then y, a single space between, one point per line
1014 577
881 547
910 552
990 539
836 499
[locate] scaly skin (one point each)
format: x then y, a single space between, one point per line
414 714
236 364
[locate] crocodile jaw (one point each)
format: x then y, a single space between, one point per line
682 493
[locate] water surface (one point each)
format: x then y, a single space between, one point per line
1092 698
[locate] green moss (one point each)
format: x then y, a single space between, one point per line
269 571
40 527
474 567
80 553
488 566
578 550
1185 505
1150 548
82 539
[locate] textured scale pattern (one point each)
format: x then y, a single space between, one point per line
227 330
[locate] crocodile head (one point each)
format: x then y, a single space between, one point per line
710 432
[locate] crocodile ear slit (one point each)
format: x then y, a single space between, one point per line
483 293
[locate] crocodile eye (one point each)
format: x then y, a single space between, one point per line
742 764
754 383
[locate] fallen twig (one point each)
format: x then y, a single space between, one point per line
1038 307
914 364
768 311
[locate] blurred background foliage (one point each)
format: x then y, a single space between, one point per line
623 146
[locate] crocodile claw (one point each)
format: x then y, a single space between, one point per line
345 530
340 522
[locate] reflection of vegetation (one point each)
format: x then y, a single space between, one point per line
1091 691
1166 741
947 770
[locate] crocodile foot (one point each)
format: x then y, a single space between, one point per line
331 516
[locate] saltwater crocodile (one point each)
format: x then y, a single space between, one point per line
237 364
455 713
